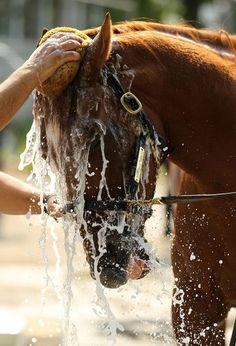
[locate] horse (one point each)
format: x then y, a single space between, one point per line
144 93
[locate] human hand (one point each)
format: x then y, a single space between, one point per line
51 206
54 52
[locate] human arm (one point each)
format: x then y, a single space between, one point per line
18 198
44 61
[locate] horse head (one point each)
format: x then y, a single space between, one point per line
104 152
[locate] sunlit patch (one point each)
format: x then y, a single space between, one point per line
10 323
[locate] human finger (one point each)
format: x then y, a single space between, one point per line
56 45
70 44
69 56
56 212
51 206
61 37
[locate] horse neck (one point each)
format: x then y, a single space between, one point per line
182 87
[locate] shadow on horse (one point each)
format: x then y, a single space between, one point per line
186 82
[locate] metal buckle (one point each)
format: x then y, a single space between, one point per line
139 166
136 207
128 106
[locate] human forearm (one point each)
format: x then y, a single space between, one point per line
44 61
14 91
17 197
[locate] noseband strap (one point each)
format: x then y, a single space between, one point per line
143 207
92 205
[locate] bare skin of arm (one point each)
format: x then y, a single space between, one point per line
45 60
17 197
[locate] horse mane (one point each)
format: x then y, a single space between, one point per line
221 41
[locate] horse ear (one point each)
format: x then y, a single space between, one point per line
43 33
100 48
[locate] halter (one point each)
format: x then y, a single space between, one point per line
132 105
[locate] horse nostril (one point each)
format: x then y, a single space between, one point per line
112 277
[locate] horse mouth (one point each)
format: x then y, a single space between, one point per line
137 268
119 263
114 277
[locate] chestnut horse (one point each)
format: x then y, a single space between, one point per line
186 81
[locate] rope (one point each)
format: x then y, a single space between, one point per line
182 198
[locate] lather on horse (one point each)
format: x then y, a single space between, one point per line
186 82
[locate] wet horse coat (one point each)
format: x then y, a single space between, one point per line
186 81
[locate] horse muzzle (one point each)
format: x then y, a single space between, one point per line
114 277
124 259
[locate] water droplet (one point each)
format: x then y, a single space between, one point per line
192 257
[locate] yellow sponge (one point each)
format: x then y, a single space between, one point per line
54 85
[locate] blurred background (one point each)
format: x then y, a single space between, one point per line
29 307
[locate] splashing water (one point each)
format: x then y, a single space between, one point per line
40 172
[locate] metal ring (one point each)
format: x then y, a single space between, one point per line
127 106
